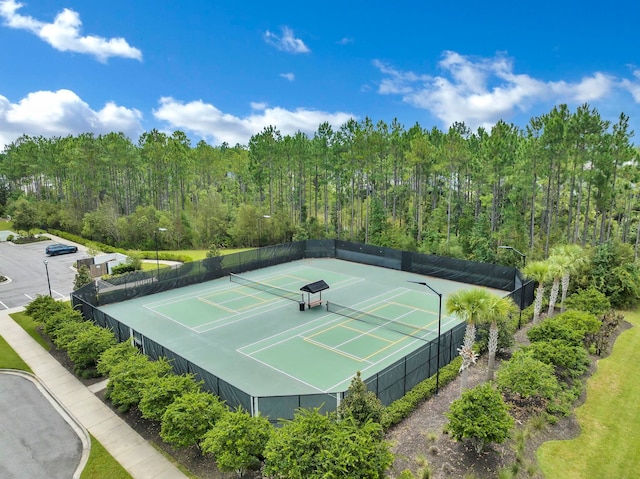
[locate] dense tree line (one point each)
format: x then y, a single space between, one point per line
567 177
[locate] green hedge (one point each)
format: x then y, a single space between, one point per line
111 249
403 407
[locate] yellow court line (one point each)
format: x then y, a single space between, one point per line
254 296
334 350
229 310
412 308
364 333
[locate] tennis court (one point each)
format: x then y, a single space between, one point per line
256 338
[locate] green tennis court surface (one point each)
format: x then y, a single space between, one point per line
264 345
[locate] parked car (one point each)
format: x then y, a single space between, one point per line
58 248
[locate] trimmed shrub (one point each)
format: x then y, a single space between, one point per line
127 379
189 417
115 355
88 345
159 392
527 381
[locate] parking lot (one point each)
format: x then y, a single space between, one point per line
25 267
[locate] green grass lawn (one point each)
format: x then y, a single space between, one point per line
609 444
9 359
29 325
102 465
5 225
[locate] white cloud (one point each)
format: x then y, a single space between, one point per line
207 121
288 76
64 33
345 41
62 113
633 86
481 91
287 42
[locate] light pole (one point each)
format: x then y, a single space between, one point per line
524 263
260 218
439 326
46 267
157 259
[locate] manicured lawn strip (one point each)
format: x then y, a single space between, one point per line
609 444
9 359
198 254
102 465
153 266
29 325
6 225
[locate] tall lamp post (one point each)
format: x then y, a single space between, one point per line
439 326
260 218
46 267
157 259
524 263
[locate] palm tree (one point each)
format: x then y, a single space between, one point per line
498 307
539 272
557 265
468 305
575 259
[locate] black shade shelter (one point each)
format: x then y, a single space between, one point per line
313 288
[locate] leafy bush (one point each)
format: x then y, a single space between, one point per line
57 320
360 404
237 441
480 416
570 326
591 300
115 355
127 379
526 378
123 268
315 446
68 331
159 392
189 417
88 345
44 306
569 361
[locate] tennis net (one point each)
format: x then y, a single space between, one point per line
267 288
394 325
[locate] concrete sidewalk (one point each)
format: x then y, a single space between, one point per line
130 449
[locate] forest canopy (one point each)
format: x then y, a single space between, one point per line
567 177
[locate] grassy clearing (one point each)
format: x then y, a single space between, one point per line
6 225
29 325
153 266
198 254
102 465
9 359
609 444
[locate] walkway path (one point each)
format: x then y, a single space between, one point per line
130 449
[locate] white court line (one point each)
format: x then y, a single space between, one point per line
177 299
286 374
337 351
169 318
394 353
303 330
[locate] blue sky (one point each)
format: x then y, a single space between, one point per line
223 70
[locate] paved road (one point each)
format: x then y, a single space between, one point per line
24 266
39 440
